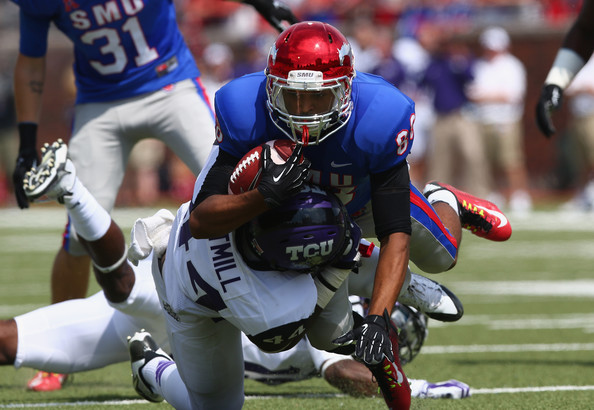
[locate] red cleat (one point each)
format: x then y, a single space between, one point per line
44 381
391 378
479 216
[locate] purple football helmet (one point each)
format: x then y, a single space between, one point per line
305 233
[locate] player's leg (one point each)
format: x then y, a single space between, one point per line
70 276
99 157
55 178
8 341
332 322
424 294
210 362
481 217
154 373
183 119
70 336
436 232
437 217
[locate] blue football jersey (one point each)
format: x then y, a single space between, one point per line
122 48
377 137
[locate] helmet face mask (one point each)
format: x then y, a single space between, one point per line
309 79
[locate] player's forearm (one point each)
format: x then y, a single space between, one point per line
580 36
218 215
390 272
29 79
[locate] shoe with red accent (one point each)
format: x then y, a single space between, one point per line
391 378
45 381
479 216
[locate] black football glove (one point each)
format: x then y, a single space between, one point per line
280 182
550 100
274 12
26 159
372 339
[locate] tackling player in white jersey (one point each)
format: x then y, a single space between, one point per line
96 327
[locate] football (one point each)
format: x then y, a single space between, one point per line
248 170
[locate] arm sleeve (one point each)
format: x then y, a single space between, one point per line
390 200
217 179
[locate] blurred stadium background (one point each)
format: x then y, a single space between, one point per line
239 40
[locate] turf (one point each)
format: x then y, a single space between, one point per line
525 341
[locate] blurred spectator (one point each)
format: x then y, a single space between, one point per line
217 68
385 64
250 54
456 154
581 106
414 58
363 43
498 93
8 136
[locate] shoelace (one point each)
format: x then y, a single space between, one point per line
474 218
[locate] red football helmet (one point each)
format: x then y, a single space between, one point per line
309 79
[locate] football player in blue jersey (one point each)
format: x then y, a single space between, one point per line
576 50
135 78
355 131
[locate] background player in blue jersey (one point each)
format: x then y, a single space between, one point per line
355 130
135 78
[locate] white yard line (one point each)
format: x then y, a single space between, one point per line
511 348
52 215
530 389
500 390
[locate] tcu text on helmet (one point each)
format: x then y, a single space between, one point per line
313 249
309 251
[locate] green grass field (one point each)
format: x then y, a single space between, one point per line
526 340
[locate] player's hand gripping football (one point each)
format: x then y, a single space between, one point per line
281 181
372 339
549 101
275 12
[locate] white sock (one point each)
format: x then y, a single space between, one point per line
443 195
163 377
89 219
